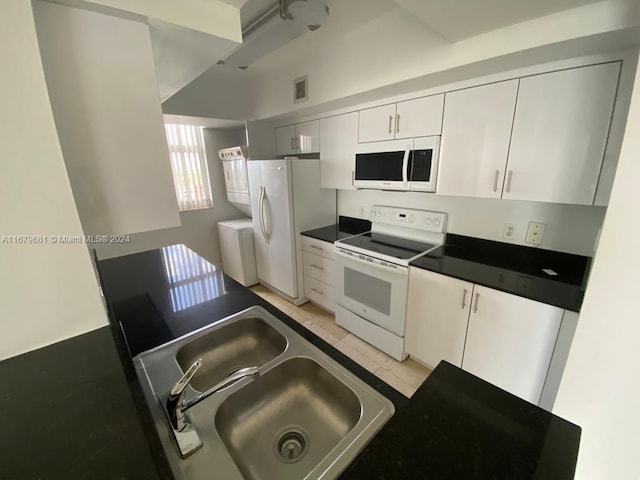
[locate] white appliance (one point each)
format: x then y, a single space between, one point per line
234 166
410 164
372 273
286 199
238 251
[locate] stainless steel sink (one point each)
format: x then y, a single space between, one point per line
286 421
304 416
244 343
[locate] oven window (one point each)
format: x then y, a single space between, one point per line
385 166
367 290
420 165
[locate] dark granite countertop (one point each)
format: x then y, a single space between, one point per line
457 426
513 269
346 227
69 412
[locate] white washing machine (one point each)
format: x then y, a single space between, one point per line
238 252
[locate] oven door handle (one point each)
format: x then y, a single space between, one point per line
397 270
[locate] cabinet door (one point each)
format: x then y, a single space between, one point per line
421 117
377 123
307 137
437 316
510 341
338 142
559 134
475 140
285 140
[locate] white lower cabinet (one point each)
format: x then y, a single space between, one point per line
437 317
504 339
319 273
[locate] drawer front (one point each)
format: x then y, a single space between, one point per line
324 249
318 267
320 293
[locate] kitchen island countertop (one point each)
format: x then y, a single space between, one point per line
91 422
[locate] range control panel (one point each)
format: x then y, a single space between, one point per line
410 218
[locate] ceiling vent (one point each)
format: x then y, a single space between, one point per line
285 21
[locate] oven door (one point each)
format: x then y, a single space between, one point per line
371 290
383 165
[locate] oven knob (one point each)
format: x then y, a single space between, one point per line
429 221
436 222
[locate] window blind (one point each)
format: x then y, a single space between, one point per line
189 165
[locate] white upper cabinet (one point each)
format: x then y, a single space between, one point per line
510 341
420 117
299 138
475 140
308 137
285 140
377 123
559 134
338 142
437 317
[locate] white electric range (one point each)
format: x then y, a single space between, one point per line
372 273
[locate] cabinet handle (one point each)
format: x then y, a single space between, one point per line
317 291
397 123
509 177
475 307
464 298
317 266
353 177
227 172
390 120
316 247
293 143
495 181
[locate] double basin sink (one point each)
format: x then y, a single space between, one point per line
304 416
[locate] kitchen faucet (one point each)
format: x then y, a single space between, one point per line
185 433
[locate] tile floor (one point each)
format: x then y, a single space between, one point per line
405 376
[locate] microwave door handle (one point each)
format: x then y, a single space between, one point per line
405 166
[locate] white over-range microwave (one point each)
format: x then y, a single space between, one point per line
410 164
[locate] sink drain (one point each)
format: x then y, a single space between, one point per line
291 445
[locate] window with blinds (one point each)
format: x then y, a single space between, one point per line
189 165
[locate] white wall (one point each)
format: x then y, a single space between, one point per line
198 230
570 228
207 16
600 390
395 47
49 291
220 92
102 84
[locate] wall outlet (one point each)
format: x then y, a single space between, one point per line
535 233
509 231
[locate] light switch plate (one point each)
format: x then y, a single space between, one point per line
535 233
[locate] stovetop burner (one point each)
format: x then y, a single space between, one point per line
388 245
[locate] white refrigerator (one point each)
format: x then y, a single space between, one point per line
286 199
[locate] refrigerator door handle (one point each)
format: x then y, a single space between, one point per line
261 215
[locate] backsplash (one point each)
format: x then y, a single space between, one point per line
570 228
